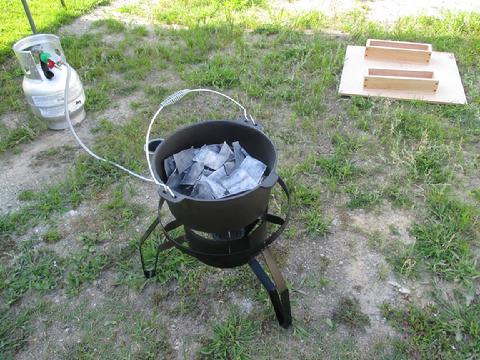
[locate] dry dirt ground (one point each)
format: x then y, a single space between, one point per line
342 258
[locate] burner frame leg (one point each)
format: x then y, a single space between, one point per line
277 289
161 247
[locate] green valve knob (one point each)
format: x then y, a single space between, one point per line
44 56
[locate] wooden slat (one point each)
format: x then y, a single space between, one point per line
443 65
398 51
400 44
401 73
400 83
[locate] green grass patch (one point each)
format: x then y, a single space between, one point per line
231 339
32 270
9 137
47 16
52 235
398 196
83 267
15 328
349 313
439 332
217 73
148 337
364 199
87 177
428 162
413 123
337 168
111 26
401 257
444 239
316 223
119 212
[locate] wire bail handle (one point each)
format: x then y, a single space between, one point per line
170 100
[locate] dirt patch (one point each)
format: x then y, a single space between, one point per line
379 10
15 167
386 221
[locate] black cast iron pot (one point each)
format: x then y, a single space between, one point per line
230 213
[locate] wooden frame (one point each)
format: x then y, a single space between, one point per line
442 65
398 50
396 79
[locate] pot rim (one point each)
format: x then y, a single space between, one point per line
268 182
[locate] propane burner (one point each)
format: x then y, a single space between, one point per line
230 229
231 249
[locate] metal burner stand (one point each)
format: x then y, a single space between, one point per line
254 242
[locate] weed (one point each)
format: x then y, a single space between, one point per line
26 195
397 196
337 168
428 162
14 330
52 235
118 213
82 267
440 332
230 339
218 73
476 195
53 155
33 269
316 223
443 239
362 199
349 313
24 132
97 99
112 316
111 25
305 196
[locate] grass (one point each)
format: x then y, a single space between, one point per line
85 265
231 339
33 270
450 331
362 198
443 240
316 223
16 327
101 326
349 313
47 17
28 131
52 235
81 181
335 154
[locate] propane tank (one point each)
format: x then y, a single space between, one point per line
43 63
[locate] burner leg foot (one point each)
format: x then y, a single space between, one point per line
277 290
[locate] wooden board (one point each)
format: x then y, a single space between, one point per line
443 65
396 79
398 51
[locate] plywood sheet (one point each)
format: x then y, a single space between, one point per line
450 88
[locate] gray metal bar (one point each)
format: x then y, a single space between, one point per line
29 16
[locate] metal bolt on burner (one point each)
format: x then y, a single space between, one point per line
225 232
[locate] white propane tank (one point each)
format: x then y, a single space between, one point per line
44 84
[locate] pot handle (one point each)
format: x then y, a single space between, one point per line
170 100
270 180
